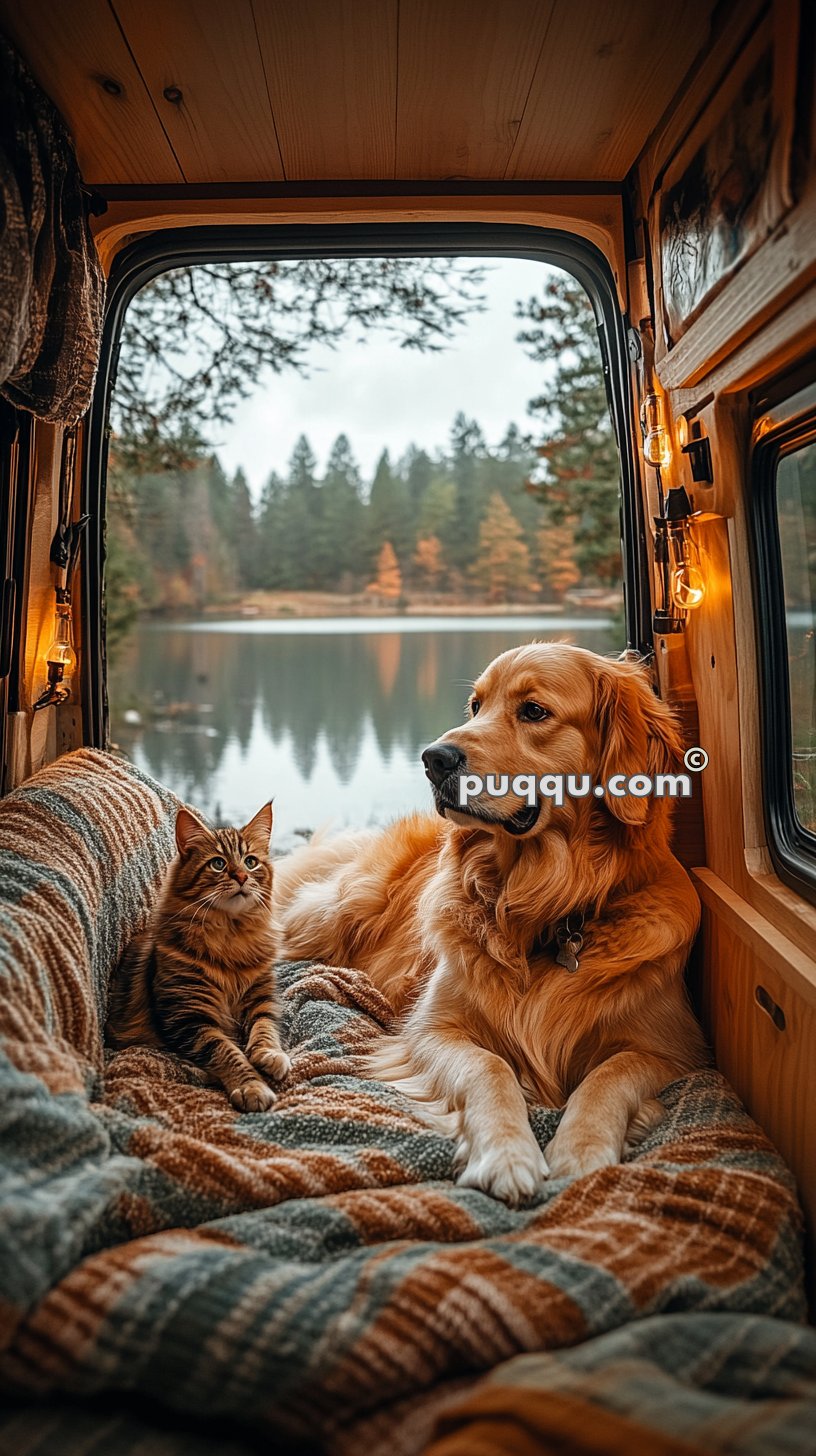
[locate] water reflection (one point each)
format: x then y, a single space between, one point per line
329 718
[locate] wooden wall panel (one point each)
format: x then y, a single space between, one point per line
603 81
465 72
72 46
772 1070
222 129
712 654
331 69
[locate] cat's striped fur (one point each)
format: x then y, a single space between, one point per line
200 981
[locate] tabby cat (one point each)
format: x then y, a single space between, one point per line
200 981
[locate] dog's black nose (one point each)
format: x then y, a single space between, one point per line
442 759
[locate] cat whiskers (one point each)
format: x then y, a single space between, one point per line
208 904
205 903
186 908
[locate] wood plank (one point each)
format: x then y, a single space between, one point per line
72 47
465 70
331 69
222 129
772 1070
710 641
599 218
764 937
602 83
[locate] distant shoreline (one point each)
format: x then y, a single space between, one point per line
283 606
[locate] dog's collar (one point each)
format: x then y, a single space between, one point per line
565 940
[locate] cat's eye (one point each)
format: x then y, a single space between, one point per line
251 861
533 713
475 705
218 863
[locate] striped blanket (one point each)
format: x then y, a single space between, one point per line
311 1271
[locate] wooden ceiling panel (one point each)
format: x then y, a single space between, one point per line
606 75
357 90
72 47
465 71
221 128
331 66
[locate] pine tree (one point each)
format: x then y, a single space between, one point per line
389 511
244 533
416 469
300 520
437 509
271 568
468 453
339 538
502 567
580 469
388 583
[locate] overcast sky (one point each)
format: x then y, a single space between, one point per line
383 396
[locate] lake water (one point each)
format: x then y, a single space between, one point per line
328 716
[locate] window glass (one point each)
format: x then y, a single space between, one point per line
796 507
336 489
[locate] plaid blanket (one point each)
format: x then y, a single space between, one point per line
668 1385
311 1271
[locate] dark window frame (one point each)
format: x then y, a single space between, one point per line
157 252
15 470
788 424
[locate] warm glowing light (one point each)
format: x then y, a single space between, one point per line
656 443
61 657
687 585
682 432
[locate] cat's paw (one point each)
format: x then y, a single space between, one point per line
274 1064
252 1096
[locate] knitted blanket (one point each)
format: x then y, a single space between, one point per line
312 1270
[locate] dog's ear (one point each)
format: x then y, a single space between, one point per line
638 735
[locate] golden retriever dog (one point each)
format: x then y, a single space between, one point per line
534 952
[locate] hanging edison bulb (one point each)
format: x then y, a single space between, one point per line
656 442
686 579
61 657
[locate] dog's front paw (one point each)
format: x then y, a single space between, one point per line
252 1096
648 1116
512 1172
274 1064
569 1158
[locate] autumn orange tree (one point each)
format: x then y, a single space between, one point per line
388 582
556 558
502 567
428 560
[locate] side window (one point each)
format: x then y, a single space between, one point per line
785 584
796 515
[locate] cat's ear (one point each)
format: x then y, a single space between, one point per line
188 828
259 829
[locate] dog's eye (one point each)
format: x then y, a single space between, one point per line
533 712
218 864
251 862
475 705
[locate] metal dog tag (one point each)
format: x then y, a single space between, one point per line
569 944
